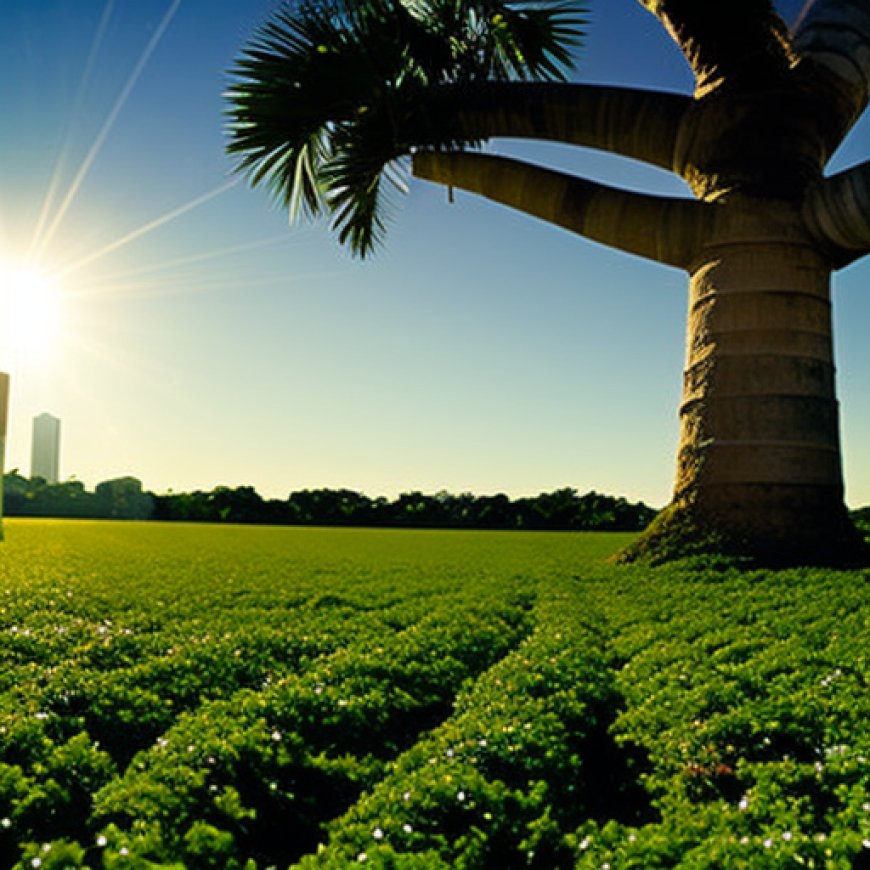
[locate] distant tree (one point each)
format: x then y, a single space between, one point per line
331 93
340 507
241 504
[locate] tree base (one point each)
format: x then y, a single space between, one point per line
760 535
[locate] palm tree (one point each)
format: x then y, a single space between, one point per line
330 95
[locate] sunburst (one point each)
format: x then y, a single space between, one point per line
31 315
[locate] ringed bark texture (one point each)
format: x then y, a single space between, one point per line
758 464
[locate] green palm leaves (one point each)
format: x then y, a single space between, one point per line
331 93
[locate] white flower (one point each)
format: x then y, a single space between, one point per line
767 843
744 803
584 843
362 857
406 796
866 844
407 828
5 823
102 841
460 796
36 862
276 735
378 834
123 851
786 835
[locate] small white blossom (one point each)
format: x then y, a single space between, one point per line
460 796
378 834
102 841
866 844
407 828
362 857
123 851
743 804
584 843
786 835
276 735
36 862
767 843
5 823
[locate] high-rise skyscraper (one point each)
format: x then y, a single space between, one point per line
4 405
45 448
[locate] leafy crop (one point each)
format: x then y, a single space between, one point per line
191 696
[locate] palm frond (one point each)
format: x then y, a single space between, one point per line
331 92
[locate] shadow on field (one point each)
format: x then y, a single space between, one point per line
610 786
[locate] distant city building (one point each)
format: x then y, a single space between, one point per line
45 449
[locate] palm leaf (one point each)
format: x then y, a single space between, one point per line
331 92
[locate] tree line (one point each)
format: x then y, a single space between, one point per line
123 498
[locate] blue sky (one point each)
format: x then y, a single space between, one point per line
479 350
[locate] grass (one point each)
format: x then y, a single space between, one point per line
250 697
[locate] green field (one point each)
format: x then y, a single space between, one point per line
249 697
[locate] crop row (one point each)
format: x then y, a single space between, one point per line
433 701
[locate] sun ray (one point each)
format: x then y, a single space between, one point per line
107 126
78 101
133 235
114 280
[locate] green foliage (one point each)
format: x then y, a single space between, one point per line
328 95
180 696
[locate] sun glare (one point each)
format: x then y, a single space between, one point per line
30 316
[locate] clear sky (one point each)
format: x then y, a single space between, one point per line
203 341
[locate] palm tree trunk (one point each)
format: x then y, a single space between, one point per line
758 465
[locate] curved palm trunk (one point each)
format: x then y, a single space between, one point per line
758 464
758 470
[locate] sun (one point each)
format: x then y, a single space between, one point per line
31 315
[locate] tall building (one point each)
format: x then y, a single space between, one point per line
4 408
45 448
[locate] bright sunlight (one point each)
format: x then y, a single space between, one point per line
30 315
